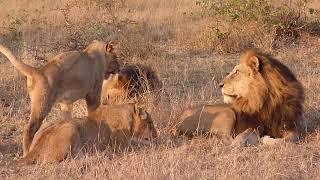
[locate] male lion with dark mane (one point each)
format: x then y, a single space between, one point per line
263 98
262 89
114 125
130 83
67 77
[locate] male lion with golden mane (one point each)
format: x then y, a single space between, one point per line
263 98
262 89
114 125
131 82
66 78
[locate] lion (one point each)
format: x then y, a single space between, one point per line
115 90
130 83
67 77
263 89
109 125
219 120
262 98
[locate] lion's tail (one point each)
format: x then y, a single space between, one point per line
21 66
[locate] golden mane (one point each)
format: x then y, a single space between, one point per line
276 97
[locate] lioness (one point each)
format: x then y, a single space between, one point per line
66 78
113 125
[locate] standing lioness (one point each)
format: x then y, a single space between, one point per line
66 78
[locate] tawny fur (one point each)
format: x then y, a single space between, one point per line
66 78
261 88
130 83
219 120
109 125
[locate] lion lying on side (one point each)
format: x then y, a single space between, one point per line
66 78
264 94
111 125
131 82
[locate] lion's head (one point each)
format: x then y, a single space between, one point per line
245 82
114 90
130 84
107 51
142 126
263 88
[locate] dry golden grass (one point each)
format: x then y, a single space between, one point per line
176 40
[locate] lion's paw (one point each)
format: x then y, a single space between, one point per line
270 141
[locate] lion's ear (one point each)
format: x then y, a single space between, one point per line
110 47
121 78
143 114
254 63
136 109
114 76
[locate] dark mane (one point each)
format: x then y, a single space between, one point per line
141 78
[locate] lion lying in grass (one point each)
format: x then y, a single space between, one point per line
217 120
66 78
264 95
113 125
130 83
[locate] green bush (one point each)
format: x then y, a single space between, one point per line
254 22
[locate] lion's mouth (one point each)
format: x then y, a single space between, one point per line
229 98
230 95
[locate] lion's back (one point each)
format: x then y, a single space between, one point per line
210 119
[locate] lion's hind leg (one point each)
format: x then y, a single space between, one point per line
42 100
62 143
53 144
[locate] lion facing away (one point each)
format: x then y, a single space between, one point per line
131 82
66 78
262 89
113 125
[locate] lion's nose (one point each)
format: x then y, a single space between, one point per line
221 85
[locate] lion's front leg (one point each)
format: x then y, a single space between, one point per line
271 141
292 136
94 96
247 138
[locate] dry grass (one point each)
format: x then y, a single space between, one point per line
176 40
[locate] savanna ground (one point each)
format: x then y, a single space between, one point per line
192 45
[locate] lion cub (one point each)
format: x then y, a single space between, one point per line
113 125
66 78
